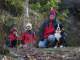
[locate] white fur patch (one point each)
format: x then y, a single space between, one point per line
57 36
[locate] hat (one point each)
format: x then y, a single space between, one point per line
53 11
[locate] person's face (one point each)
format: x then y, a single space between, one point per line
28 28
51 17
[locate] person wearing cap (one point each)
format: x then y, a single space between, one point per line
28 37
47 30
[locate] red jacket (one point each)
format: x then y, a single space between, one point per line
28 37
12 36
48 30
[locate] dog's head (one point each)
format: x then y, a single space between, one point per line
58 28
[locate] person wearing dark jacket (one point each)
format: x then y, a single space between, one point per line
47 30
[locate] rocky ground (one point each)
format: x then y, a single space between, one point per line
69 53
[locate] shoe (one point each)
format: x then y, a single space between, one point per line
55 47
62 46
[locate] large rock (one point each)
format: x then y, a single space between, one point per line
48 53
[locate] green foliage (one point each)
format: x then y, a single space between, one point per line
15 7
10 21
63 14
43 5
36 6
53 3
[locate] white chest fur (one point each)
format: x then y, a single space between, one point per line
58 33
57 36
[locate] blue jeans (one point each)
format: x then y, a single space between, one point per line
52 40
44 43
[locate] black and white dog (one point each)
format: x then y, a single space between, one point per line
58 36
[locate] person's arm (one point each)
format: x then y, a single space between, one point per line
55 23
41 29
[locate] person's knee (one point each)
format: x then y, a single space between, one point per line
51 38
42 44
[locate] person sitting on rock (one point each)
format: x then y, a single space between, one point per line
13 36
28 37
47 30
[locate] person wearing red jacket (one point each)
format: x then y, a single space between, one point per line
28 37
13 37
47 30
